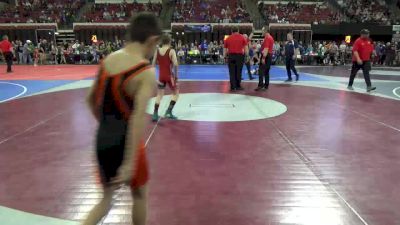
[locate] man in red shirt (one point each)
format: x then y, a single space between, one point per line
266 60
362 51
6 51
235 47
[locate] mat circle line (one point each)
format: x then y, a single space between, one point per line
395 92
24 90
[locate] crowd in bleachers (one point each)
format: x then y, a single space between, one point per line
332 53
42 11
367 11
223 11
46 52
206 52
294 12
119 12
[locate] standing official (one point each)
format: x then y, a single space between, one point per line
291 52
362 51
266 60
235 47
6 51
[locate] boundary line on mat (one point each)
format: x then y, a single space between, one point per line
314 170
369 118
323 84
24 90
31 127
152 133
308 162
395 92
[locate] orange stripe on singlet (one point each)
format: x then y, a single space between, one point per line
100 89
125 83
120 99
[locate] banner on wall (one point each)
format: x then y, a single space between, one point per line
206 28
396 28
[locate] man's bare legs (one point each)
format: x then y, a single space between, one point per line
102 208
139 210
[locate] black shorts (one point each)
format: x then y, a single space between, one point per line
110 146
110 150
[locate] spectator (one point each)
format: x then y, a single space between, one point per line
342 52
181 56
53 53
19 50
333 53
27 51
390 54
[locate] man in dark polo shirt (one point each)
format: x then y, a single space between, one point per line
362 51
235 47
6 51
291 52
266 60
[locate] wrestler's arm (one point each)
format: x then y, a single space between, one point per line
140 88
90 98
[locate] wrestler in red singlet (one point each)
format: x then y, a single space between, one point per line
168 65
165 67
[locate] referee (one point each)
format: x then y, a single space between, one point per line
266 60
362 51
6 51
291 52
235 47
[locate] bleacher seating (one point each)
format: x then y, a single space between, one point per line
299 13
367 11
210 11
119 12
41 11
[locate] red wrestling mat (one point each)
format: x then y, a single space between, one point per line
49 72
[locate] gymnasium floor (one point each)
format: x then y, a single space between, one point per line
307 153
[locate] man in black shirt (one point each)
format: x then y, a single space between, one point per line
291 52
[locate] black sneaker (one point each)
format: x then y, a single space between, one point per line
369 89
233 90
240 89
259 89
288 80
297 78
